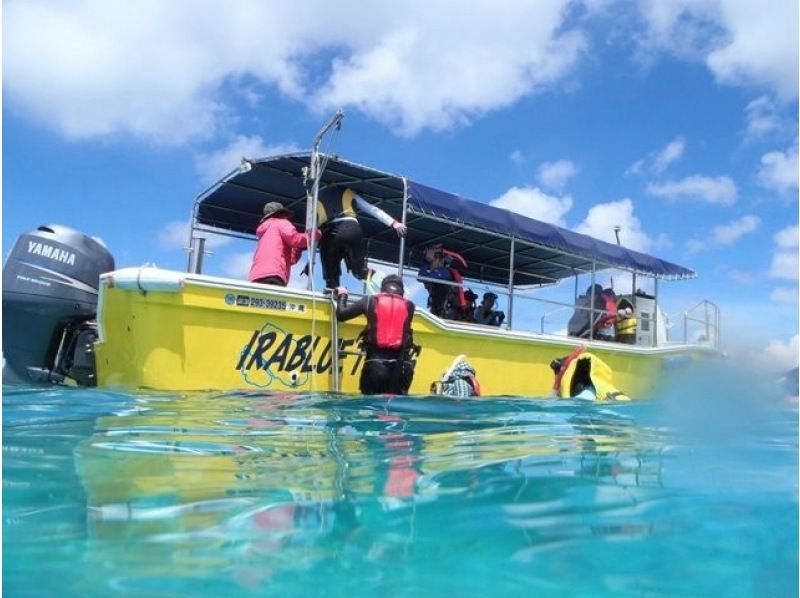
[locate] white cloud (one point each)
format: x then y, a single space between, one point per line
784 295
157 70
554 175
535 203
719 190
785 259
779 170
658 162
762 118
728 234
175 236
237 265
695 246
761 48
602 218
741 42
671 152
517 157
725 234
781 355
213 166
742 277
637 167
784 265
787 238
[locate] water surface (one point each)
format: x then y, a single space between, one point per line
693 493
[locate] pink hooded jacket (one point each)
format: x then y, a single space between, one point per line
279 247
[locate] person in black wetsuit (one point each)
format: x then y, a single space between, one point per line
387 338
341 232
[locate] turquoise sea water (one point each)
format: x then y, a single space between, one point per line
693 493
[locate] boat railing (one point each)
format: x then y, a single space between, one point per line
594 313
546 317
708 321
701 322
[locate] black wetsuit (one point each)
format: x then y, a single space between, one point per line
341 233
385 370
341 240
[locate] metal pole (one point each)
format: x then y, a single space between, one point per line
403 220
197 247
334 345
311 218
575 298
591 305
511 286
315 175
705 309
655 312
685 327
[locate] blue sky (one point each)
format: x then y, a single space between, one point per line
676 120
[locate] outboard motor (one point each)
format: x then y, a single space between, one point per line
50 284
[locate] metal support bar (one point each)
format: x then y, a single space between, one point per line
655 312
197 248
591 311
511 286
403 220
334 346
315 174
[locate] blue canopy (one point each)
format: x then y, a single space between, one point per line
543 253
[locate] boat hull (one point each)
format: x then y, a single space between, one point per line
179 332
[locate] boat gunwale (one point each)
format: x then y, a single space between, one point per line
185 279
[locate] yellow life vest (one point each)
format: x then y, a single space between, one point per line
626 325
601 377
335 202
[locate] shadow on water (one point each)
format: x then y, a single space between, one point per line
289 494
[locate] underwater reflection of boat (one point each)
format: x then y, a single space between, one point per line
260 487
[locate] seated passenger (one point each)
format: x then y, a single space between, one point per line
580 322
606 320
444 300
626 322
468 313
485 313
435 268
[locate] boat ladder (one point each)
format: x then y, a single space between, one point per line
336 351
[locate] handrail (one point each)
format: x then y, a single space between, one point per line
706 321
710 319
550 313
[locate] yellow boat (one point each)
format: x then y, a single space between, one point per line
184 331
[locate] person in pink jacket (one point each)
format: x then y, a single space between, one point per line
279 246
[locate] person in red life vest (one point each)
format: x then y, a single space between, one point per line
444 300
341 232
605 324
388 337
279 246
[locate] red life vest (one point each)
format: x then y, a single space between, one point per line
460 298
388 326
610 318
476 387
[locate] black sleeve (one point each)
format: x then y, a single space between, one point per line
348 312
